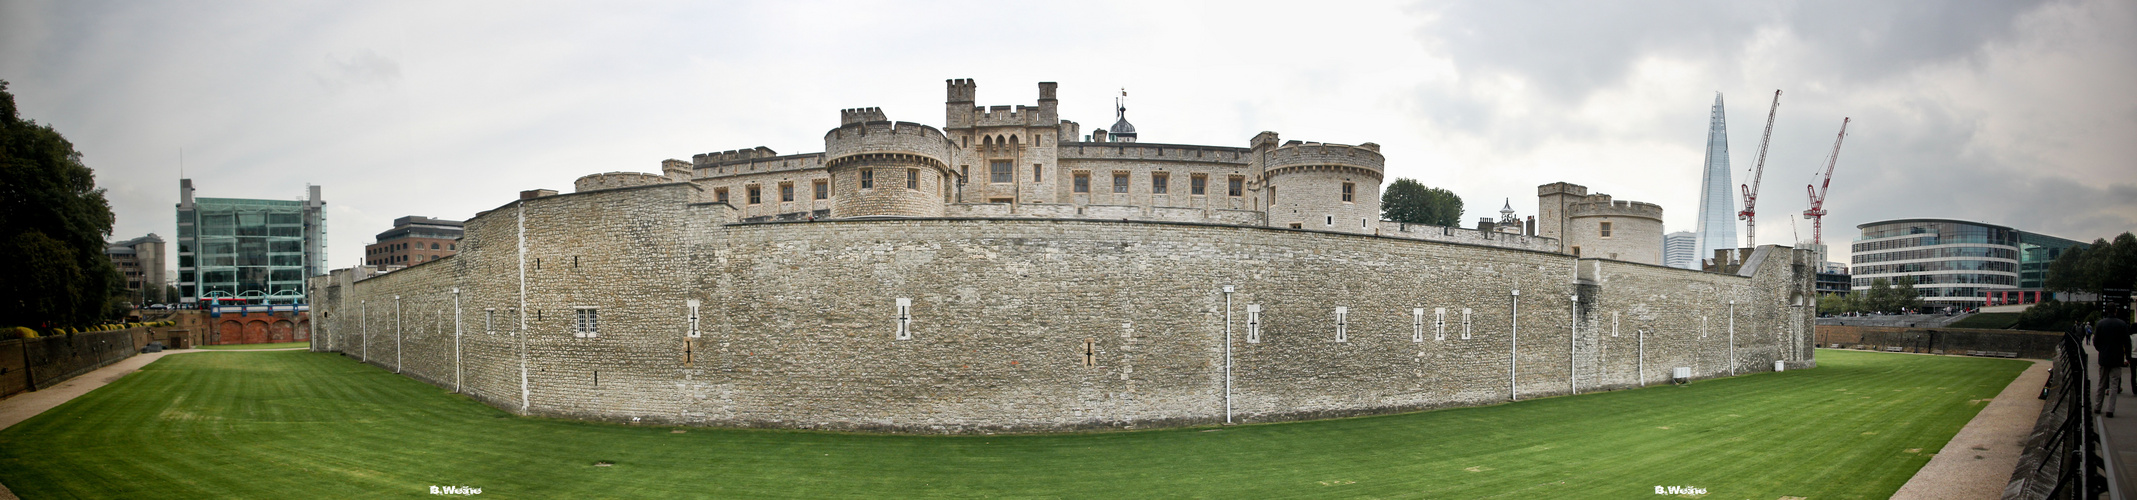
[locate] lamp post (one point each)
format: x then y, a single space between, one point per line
1228 354
456 340
1732 337
1513 360
1573 344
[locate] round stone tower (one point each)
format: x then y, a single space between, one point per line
881 168
1598 227
1332 187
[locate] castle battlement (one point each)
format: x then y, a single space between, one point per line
1598 205
1299 155
859 115
613 180
1153 152
702 160
886 137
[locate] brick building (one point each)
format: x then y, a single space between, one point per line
414 240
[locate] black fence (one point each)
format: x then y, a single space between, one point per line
2062 457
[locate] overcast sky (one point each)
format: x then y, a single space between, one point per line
2014 113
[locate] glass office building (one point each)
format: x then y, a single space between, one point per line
246 251
1717 199
1953 263
2035 252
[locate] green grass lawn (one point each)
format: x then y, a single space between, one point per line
314 425
250 347
1992 321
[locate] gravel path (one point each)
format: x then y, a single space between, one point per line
1977 462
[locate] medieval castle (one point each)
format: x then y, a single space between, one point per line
1008 273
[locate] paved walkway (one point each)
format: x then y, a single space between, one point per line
2119 437
1977 463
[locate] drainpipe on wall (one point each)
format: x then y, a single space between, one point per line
1513 361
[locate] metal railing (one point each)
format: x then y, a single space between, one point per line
2062 457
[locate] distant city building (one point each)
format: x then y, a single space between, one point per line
1953 262
1833 279
1717 199
248 251
140 260
1678 248
414 240
2035 252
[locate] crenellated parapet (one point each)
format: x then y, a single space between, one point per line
860 115
613 180
1298 156
1601 205
886 138
703 159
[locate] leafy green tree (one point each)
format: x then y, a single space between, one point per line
1832 304
2065 273
1409 202
1880 297
1904 296
53 222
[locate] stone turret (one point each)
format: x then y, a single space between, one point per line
883 168
1313 185
1596 226
675 170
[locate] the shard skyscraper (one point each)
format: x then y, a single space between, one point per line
1717 202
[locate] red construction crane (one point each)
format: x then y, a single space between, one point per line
1750 215
1817 206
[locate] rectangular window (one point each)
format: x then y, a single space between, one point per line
905 318
1120 182
1350 191
1198 185
1342 324
868 179
489 321
1090 352
786 192
586 322
1159 181
756 194
823 189
1237 186
1000 172
1253 323
912 179
1439 323
1605 230
1465 323
692 318
1417 324
1035 173
1083 182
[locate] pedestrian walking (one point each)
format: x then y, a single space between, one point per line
2111 338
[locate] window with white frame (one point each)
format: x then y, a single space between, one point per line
1253 323
586 322
693 303
1342 324
1417 324
489 320
1465 323
1439 323
905 318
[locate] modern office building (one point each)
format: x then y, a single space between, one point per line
1717 198
1677 249
414 240
2035 252
247 251
1833 279
140 261
1953 262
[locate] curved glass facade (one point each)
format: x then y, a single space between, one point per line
1952 263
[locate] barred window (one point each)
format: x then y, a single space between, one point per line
1001 172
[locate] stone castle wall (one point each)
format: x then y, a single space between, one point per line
1020 324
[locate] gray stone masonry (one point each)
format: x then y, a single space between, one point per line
1025 324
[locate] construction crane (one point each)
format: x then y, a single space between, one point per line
1816 213
1750 215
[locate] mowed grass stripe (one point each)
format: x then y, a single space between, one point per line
300 424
